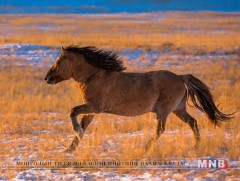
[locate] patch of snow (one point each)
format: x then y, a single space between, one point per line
37 55
30 54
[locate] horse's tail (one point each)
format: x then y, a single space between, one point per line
197 89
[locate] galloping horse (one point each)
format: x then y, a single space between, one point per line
106 88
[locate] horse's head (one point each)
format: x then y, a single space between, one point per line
61 69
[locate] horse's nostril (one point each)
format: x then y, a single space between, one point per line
45 78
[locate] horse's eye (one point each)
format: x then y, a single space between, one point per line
58 63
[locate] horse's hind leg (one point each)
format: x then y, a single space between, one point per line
185 117
161 122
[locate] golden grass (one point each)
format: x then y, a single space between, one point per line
211 31
34 119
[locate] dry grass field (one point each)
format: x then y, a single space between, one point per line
34 116
206 31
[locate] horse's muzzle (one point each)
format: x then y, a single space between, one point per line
49 79
53 79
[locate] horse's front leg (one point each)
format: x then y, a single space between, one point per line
82 109
80 128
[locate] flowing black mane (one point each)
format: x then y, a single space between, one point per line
99 58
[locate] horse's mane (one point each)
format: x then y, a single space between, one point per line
103 59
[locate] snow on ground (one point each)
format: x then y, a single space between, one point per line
28 54
42 174
159 175
38 55
188 172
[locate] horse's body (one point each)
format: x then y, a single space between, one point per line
133 94
105 88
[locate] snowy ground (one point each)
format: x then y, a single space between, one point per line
37 55
171 174
167 175
109 148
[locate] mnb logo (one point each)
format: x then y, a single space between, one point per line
213 163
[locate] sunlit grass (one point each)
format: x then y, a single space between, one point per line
208 32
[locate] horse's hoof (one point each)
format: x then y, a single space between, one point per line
148 145
69 150
196 146
73 145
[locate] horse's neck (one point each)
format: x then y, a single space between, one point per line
86 75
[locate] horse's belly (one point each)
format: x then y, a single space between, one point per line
129 113
132 108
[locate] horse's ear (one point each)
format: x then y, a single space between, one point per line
63 50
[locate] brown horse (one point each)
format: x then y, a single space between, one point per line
105 88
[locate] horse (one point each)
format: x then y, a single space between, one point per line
106 88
